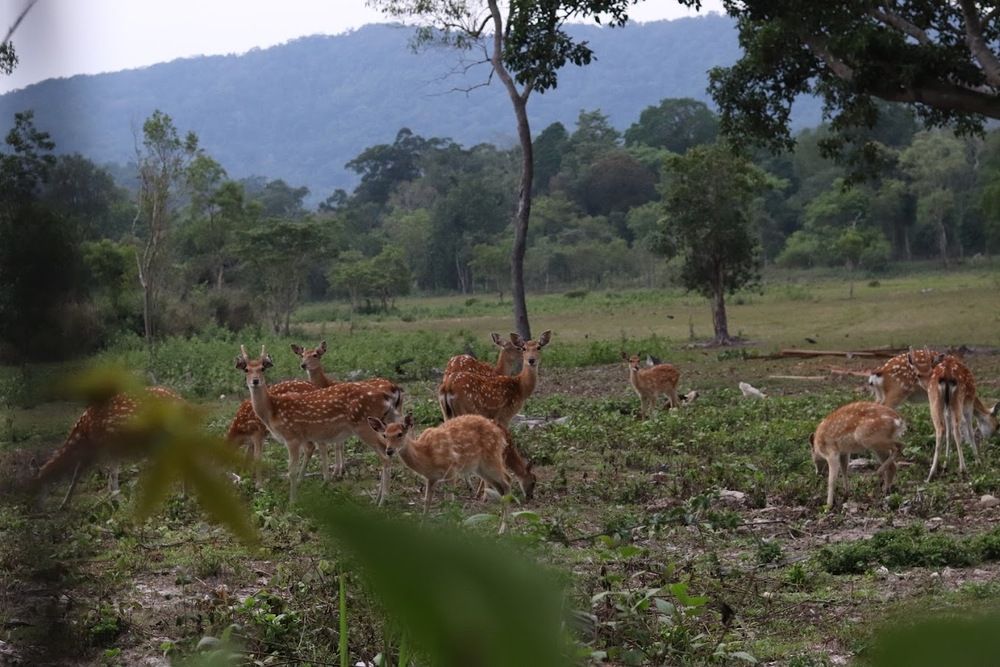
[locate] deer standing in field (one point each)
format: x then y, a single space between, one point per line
460 447
92 436
951 391
853 428
900 377
652 382
328 415
496 397
507 360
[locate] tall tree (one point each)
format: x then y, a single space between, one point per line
525 44
162 162
941 58
707 198
674 124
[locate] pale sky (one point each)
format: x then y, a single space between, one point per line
60 38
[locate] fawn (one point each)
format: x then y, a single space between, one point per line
496 397
852 428
328 415
650 383
900 377
460 447
951 392
92 435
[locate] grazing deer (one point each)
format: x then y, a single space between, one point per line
89 438
312 364
852 428
496 397
328 415
460 447
951 391
900 377
652 382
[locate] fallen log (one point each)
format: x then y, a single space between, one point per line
816 378
849 354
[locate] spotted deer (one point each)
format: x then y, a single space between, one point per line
327 415
92 436
247 430
496 397
853 428
312 363
650 383
460 447
507 360
900 377
951 392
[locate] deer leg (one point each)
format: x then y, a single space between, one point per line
256 455
383 488
113 477
956 434
939 429
833 465
969 422
428 490
845 460
72 487
675 401
293 470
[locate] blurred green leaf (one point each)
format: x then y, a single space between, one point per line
478 518
955 642
460 599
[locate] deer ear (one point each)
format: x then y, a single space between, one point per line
322 347
938 358
996 409
241 362
297 349
812 439
377 425
266 362
408 421
543 340
517 340
496 339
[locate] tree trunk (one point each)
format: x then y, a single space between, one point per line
218 277
147 323
719 321
943 243
521 222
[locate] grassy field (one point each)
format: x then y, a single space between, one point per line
697 537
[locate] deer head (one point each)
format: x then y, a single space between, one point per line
531 350
310 357
393 435
254 368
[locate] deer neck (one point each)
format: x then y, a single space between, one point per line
410 454
319 378
261 403
526 380
500 368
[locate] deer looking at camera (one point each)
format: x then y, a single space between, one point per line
311 361
853 428
901 376
951 392
652 382
507 360
460 447
328 415
496 397
92 436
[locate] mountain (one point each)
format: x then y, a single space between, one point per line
301 110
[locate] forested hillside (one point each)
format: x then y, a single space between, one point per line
302 110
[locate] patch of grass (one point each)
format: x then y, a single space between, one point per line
907 547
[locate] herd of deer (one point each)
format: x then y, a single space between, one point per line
478 401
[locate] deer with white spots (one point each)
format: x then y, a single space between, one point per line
651 383
496 397
901 376
311 361
507 361
328 415
853 428
91 436
951 391
460 447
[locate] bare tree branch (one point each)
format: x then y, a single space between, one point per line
901 24
819 48
20 17
977 43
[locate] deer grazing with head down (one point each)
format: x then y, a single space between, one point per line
460 447
900 377
328 415
853 428
496 397
93 436
651 383
951 392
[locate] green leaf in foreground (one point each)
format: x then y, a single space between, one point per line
956 642
460 599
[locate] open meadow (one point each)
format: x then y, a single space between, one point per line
696 537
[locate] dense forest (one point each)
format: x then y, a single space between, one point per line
432 215
300 111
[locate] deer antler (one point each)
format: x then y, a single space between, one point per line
243 352
262 353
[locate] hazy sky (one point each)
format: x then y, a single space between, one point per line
65 37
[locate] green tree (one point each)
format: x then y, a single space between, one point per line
384 166
549 147
162 163
674 124
707 197
526 45
938 58
88 197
